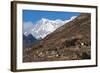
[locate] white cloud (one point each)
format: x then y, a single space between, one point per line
27 26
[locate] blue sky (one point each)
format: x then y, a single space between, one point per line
34 16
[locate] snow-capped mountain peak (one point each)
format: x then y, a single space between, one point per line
44 19
46 26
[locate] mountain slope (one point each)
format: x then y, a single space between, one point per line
80 27
69 42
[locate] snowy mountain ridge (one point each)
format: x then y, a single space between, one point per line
45 26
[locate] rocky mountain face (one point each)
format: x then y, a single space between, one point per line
28 41
72 41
